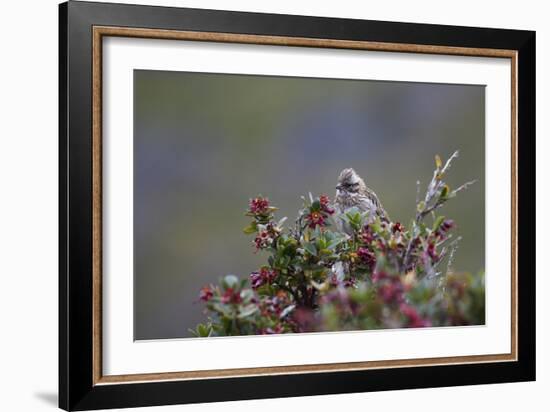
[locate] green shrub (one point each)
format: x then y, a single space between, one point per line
375 274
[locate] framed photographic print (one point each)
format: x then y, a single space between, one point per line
256 205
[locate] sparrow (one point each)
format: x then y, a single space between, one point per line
351 191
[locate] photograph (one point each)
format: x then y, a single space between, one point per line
264 205
274 205
214 206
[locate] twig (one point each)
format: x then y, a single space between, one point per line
454 246
463 187
435 197
448 163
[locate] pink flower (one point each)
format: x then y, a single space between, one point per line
266 236
432 252
397 227
265 275
445 226
349 283
206 293
366 256
391 292
325 204
367 235
315 219
345 283
256 280
414 320
305 319
231 296
379 276
258 205
448 224
263 240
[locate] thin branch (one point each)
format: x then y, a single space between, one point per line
463 187
448 163
454 246
433 200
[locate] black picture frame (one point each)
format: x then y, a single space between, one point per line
77 390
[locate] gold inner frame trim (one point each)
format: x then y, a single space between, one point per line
100 31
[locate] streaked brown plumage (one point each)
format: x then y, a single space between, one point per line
351 191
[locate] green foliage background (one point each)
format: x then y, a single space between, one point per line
205 143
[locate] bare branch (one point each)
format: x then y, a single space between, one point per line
448 163
463 187
453 247
436 195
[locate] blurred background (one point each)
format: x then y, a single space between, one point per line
206 143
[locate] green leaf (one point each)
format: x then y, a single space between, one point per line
204 331
316 206
247 295
220 308
317 232
445 191
252 228
310 248
289 249
353 214
335 242
267 290
230 281
285 261
438 222
422 228
247 311
376 226
421 206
